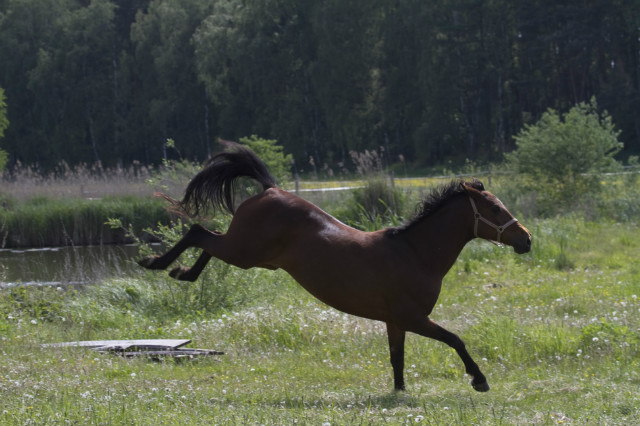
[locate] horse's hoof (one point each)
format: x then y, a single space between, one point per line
182 274
480 387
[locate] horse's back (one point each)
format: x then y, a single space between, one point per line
280 211
270 224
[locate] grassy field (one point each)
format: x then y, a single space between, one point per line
556 332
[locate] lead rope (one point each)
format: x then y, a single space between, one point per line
478 216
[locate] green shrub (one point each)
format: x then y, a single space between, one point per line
378 198
561 158
376 205
272 154
563 148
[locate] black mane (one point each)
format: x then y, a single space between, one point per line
437 198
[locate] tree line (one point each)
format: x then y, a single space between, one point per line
109 81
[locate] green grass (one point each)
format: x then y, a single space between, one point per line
555 331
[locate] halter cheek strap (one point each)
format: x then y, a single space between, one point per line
478 217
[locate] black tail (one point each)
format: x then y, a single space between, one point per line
214 187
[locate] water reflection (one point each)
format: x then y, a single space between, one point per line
66 265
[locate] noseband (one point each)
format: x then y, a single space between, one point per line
478 217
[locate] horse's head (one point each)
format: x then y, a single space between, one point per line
492 221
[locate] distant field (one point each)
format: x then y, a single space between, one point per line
401 182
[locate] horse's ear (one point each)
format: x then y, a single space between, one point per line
475 185
466 186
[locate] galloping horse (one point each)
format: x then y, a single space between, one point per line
392 275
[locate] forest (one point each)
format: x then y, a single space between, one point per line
89 81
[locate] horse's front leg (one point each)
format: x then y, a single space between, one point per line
396 349
430 329
193 237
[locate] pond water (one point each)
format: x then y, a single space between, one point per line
66 265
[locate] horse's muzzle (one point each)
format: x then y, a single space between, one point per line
523 244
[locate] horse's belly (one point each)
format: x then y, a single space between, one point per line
340 290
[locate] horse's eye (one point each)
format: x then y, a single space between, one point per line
495 209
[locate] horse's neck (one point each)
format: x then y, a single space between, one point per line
441 237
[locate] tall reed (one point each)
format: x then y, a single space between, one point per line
43 221
23 182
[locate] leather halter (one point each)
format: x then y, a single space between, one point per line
478 217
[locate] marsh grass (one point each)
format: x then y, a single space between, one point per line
70 205
43 221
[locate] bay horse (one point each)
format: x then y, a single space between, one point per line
392 275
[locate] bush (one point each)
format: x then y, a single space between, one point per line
378 203
561 148
562 157
272 154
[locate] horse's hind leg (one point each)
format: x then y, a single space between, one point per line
191 274
231 248
430 329
193 238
